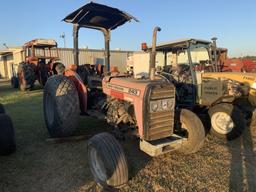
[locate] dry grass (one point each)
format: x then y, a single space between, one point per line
42 166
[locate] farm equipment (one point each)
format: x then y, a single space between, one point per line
7 134
228 97
146 108
226 64
41 56
239 65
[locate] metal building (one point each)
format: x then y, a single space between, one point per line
10 58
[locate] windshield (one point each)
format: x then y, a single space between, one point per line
199 54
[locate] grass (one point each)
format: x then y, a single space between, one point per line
39 165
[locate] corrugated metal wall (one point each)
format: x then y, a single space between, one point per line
86 56
90 56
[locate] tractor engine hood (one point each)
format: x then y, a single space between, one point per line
97 16
248 79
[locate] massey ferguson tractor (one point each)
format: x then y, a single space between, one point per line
40 63
146 108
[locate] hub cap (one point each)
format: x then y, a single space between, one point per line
222 123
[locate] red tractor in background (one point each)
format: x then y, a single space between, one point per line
234 64
239 65
145 108
41 56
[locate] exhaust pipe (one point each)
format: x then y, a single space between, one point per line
153 55
214 39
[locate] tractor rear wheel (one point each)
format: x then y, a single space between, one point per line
107 161
227 121
43 74
193 130
61 106
2 110
7 135
15 82
26 75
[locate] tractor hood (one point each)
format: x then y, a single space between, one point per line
245 78
248 79
97 16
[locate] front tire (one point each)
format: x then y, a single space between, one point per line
61 106
227 121
193 130
7 135
107 161
2 110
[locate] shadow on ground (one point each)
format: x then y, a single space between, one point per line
243 161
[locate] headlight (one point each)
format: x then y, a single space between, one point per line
165 104
154 106
253 85
162 105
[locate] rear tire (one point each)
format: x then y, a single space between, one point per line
26 75
15 82
107 161
61 106
227 121
43 73
2 110
193 130
7 135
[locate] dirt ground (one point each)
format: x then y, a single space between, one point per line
40 165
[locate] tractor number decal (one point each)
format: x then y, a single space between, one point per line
122 89
211 90
248 78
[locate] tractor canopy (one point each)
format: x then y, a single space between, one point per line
179 44
97 16
41 43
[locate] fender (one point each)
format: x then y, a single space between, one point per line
80 87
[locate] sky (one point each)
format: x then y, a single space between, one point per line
233 22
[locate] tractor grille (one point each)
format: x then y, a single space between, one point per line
159 124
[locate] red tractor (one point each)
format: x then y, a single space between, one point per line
226 64
145 108
40 63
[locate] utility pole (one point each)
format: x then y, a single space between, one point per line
63 36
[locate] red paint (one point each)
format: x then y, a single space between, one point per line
116 94
81 89
239 65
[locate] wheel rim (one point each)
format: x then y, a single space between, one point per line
97 165
49 109
222 123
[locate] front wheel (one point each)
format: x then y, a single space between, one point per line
2 110
193 130
227 121
7 135
107 161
